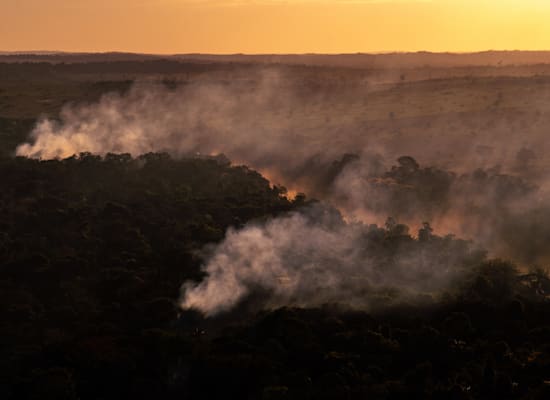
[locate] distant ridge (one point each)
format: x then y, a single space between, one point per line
355 60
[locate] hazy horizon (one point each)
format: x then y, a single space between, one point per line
351 53
274 27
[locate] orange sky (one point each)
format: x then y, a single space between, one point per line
274 26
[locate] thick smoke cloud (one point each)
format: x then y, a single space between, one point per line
327 140
314 257
506 214
294 127
253 123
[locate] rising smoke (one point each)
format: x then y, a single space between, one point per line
314 257
317 140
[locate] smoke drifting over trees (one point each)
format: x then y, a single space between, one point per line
314 257
473 186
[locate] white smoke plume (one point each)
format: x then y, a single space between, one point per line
314 257
290 126
250 123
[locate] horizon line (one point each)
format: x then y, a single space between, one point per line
389 52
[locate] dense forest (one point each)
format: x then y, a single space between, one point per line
97 249
94 250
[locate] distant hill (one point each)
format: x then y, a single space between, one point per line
390 60
61 57
358 60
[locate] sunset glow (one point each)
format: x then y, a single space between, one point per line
273 26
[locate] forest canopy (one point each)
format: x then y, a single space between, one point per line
93 252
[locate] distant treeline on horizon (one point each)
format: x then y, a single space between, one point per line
358 60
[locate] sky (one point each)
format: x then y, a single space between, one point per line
274 26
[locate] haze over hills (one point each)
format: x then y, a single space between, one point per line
357 60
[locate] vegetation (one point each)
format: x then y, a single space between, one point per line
93 250
92 254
